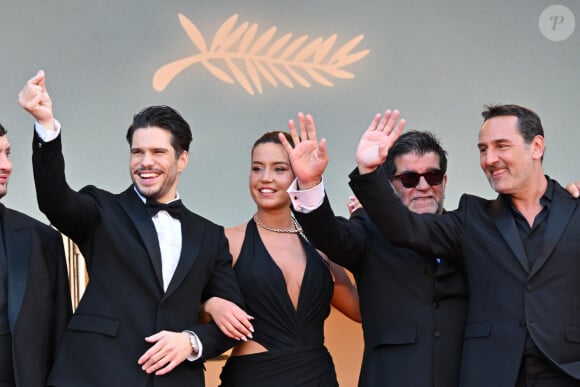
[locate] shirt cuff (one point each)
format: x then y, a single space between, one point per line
306 201
45 134
196 345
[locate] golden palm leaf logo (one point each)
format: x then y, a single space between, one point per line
238 53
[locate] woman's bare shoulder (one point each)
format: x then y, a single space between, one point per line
236 231
235 235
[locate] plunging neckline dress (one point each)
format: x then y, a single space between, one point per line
293 337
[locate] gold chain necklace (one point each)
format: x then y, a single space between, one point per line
296 230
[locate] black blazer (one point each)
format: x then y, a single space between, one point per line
39 303
413 310
124 300
507 298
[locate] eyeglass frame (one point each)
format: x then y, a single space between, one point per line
436 174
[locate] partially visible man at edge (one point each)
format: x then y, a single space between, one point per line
35 303
413 306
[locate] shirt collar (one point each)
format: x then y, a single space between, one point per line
144 199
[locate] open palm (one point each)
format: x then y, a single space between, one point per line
376 141
308 156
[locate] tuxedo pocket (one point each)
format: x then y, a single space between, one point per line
477 329
397 336
573 333
95 324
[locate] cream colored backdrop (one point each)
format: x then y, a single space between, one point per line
438 62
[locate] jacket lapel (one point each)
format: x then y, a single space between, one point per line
135 208
561 210
500 211
18 243
191 242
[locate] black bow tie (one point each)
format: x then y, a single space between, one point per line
175 208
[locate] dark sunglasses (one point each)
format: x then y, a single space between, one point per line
411 179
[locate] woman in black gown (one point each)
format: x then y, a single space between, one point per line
287 284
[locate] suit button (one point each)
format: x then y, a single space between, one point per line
40 145
435 304
522 323
437 334
529 287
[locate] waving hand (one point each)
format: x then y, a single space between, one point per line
376 141
308 157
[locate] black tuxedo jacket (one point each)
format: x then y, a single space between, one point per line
508 299
39 303
124 301
413 309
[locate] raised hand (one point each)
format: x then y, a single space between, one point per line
34 99
376 141
308 157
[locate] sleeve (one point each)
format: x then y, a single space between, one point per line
73 213
342 240
438 235
45 134
195 344
308 200
222 283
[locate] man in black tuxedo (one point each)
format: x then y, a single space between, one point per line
521 251
413 306
151 262
35 302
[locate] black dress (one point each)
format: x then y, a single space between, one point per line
294 339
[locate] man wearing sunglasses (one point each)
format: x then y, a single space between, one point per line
413 306
521 251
